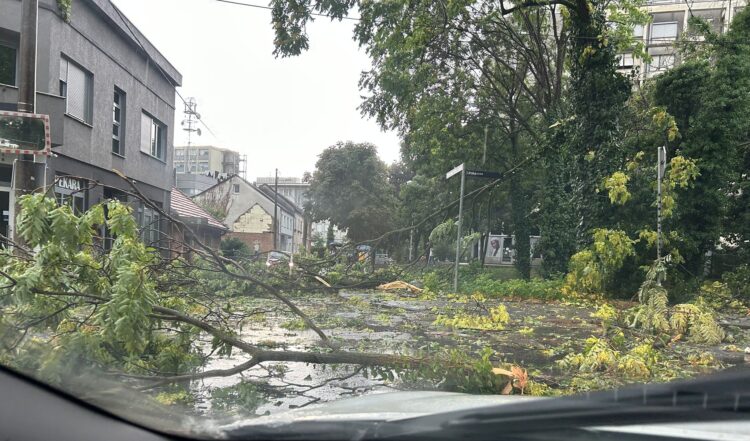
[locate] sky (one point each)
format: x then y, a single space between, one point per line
280 112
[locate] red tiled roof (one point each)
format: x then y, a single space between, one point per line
184 207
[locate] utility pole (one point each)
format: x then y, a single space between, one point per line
24 168
411 241
460 169
27 57
276 210
661 166
189 125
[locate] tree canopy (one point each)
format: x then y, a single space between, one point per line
350 188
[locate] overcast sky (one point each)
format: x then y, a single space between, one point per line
280 112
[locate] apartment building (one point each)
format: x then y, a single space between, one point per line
110 97
669 19
199 167
292 188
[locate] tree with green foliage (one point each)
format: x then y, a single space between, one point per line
709 97
502 68
350 188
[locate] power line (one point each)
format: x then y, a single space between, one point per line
269 8
155 63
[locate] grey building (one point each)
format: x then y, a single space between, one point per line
200 167
110 96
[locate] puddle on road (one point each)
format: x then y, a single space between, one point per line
372 322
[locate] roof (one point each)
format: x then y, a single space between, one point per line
184 207
224 182
284 201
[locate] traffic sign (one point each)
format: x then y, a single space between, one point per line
483 174
456 170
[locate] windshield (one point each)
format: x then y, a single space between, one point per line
254 210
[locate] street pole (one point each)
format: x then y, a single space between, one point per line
458 234
27 57
662 161
24 170
411 241
484 154
276 210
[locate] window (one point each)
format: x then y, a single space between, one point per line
638 31
118 119
626 60
180 167
8 56
153 137
236 188
150 222
203 152
179 153
70 191
76 85
660 63
662 32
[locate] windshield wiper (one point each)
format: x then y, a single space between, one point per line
720 397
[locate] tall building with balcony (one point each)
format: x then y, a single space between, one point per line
199 167
669 20
110 97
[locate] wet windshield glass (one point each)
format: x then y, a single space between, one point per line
234 211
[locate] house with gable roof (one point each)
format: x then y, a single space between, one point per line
248 212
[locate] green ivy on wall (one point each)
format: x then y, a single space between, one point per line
64 6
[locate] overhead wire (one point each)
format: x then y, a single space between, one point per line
269 8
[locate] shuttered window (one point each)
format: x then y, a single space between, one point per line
76 85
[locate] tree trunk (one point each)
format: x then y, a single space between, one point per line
519 208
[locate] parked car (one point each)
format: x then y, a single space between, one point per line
383 259
275 258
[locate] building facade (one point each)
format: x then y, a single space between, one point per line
669 19
248 211
110 97
199 167
294 189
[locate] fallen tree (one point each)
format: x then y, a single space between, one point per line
73 298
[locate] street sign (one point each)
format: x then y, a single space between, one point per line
483 174
455 171
24 133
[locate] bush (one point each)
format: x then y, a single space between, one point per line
434 282
234 248
738 282
535 288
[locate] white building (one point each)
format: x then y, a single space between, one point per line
669 19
